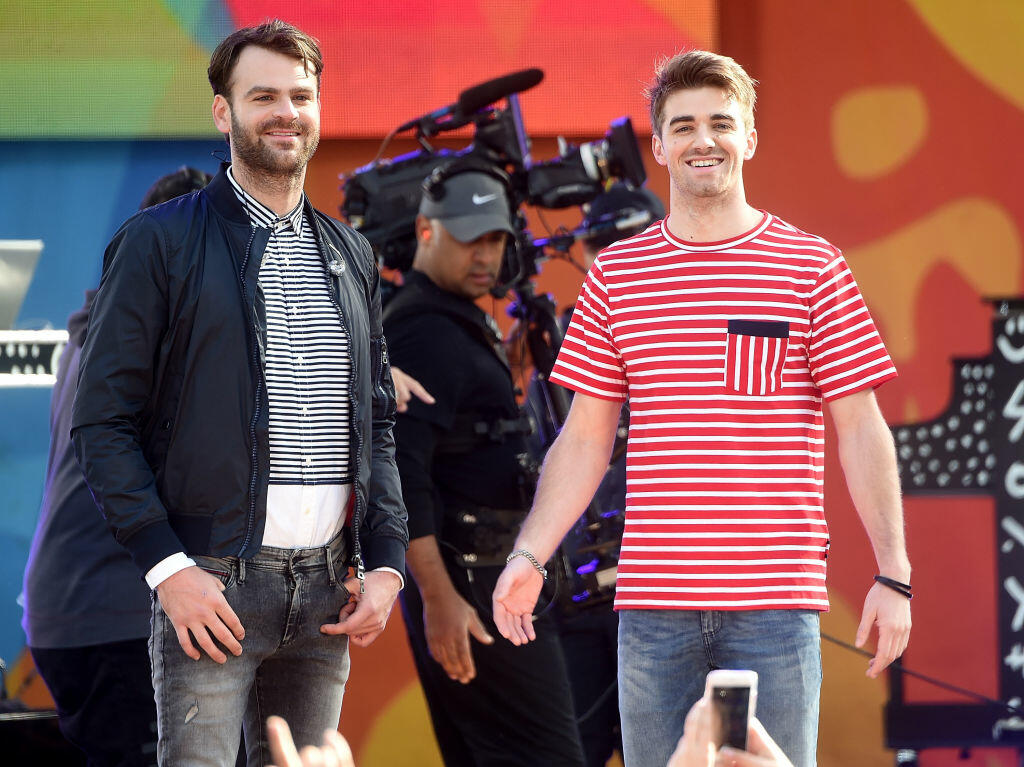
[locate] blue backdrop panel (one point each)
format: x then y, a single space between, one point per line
73 196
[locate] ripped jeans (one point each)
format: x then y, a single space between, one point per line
287 667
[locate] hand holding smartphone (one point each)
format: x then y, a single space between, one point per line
733 698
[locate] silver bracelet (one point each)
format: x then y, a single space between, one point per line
532 559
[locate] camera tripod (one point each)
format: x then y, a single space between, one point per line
598 532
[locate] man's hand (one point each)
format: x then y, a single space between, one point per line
515 596
761 751
868 457
573 468
334 753
405 387
372 608
192 601
695 748
890 611
448 621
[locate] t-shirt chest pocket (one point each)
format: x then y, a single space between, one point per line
755 355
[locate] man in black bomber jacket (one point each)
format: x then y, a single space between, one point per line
233 420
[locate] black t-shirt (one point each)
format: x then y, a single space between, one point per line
470 383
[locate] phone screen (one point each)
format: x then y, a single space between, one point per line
730 707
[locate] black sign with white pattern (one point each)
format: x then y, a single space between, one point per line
974 448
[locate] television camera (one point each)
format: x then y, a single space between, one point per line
381 199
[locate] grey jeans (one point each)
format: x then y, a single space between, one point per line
287 667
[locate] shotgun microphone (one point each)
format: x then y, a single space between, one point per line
477 97
472 100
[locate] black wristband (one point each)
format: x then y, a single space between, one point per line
900 588
886 581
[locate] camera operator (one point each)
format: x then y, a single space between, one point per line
588 634
467 486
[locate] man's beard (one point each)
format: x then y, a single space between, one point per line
247 148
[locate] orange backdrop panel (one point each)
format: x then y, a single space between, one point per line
386 63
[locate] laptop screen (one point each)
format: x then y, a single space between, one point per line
18 259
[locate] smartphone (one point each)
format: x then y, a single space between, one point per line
733 696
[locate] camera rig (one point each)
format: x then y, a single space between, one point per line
381 199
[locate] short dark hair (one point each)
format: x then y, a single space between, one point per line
182 181
274 35
700 69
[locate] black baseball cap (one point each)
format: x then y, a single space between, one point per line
471 205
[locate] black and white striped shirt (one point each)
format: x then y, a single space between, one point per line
308 371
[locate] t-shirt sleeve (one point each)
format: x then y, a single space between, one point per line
588 361
845 351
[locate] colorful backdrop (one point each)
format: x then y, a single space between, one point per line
888 126
131 68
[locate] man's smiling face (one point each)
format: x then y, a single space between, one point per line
273 116
703 142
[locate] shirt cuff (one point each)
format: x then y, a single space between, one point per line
401 580
165 568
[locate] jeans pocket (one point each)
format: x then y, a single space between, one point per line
755 356
224 569
346 595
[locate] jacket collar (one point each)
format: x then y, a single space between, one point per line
261 215
420 280
225 201
223 198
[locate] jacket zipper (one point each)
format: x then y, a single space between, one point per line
357 515
254 365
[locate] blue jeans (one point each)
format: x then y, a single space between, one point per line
664 656
287 667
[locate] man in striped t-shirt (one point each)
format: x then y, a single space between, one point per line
726 327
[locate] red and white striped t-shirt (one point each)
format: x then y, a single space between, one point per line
726 351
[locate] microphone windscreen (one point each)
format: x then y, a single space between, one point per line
477 97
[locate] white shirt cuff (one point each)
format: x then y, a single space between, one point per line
401 580
165 568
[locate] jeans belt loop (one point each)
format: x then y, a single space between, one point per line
241 570
330 566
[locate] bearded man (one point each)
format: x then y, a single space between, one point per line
233 420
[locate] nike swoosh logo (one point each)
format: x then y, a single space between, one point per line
480 199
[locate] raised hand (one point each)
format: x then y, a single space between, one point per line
335 751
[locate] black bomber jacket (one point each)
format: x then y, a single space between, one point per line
170 424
